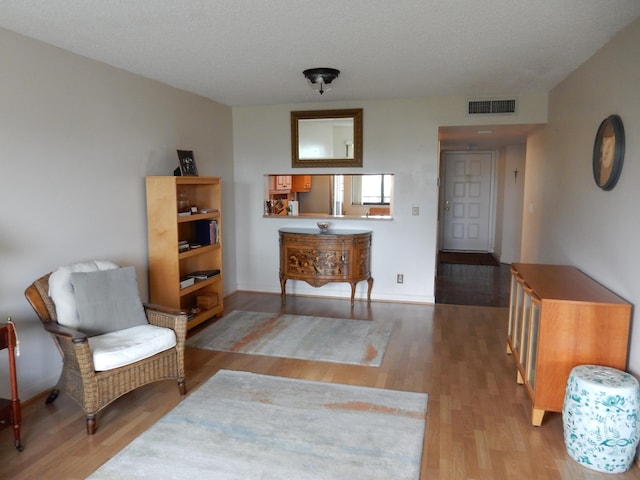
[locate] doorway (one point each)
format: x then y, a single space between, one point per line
460 283
467 201
467 271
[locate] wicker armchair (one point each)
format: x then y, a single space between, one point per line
94 390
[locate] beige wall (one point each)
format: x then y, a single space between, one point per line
570 219
78 137
509 199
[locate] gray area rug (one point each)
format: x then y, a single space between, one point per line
245 426
358 342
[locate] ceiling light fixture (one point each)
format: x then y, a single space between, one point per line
320 78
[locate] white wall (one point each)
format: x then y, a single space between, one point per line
78 137
570 219
512 203
400 137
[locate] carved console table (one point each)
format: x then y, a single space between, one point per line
322 257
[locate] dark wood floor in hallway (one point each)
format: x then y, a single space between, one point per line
480 285
478 417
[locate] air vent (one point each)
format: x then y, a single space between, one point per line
491 107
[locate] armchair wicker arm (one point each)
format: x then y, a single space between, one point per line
74 335
167 317
176 320
164 309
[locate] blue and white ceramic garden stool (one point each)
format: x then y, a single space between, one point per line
600 418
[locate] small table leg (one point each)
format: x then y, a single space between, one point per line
370 282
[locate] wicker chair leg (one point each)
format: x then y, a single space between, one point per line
182 386
52 396
91 424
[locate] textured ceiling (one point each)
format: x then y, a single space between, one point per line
250 52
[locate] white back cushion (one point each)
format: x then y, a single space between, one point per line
61 289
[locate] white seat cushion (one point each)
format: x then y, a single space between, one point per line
122 347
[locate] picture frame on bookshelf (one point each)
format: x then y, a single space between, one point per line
187 163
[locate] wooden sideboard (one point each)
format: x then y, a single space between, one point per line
560 318
322 257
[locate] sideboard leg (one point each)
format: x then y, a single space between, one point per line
353 293
370 282
536 417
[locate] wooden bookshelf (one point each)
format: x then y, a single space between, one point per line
166 228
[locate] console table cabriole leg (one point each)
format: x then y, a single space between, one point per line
283 291
353 293
370 283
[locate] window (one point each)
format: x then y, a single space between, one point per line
375 189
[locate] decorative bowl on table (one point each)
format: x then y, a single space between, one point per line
323 226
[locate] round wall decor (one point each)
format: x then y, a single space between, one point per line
608 152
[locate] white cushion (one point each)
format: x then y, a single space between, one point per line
61 289
116 349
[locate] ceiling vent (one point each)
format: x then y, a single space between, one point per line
492 107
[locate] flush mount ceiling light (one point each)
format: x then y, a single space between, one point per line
320 78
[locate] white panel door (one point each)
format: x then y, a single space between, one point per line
467 201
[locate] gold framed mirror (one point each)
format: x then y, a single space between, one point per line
326 138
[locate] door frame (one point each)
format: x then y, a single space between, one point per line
492 201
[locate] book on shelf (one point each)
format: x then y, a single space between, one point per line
203 274
207 232
187 281
183 246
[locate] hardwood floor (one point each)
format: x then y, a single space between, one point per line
478 417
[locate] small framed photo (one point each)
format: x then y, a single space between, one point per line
187 163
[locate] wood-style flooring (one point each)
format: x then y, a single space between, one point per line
478 417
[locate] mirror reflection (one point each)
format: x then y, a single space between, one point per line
325 138
349 195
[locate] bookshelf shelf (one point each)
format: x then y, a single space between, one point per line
165 228
198 216
198 251
199 284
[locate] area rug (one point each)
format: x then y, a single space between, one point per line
244 426
358 342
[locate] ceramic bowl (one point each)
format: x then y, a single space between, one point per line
323 226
